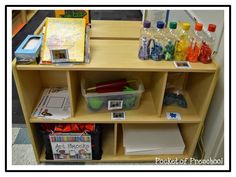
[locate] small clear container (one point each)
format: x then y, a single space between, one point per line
113 101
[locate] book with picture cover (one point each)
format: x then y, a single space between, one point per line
53 104
64 41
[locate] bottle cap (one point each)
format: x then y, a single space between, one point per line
146 24
212 27
160 24
186 26
198 26
173 25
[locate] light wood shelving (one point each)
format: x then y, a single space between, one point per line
114 54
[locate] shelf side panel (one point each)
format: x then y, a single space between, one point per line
190 134
29 89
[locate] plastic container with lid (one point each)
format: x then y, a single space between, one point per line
111 101
195 43
172 37
207 48
144 40
158 43
181 47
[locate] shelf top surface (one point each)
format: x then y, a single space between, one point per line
114 46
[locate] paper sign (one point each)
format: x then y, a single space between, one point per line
182 64
115 104
173 116
71 146
118 115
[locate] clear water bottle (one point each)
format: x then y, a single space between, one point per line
183 43
144 41
207 48
158 42
172 37
195 43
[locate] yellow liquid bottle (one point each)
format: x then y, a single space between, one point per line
181 48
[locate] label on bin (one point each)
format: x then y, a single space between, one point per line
115 104
173 116
118 115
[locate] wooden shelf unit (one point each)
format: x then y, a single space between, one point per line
114 54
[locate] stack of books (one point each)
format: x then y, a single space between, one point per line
66 41
152 139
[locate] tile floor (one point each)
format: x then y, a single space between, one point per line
22 151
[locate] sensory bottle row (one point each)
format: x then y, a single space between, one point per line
176 42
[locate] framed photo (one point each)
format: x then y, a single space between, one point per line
59 55
115 104
182 64
118 115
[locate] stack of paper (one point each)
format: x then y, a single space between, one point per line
152 139
54 104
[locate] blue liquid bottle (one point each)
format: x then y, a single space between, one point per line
158 42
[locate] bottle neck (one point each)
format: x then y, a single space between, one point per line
160 29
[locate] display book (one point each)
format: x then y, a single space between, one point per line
64 41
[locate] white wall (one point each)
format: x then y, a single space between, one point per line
214 124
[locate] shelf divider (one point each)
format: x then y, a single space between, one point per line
73 89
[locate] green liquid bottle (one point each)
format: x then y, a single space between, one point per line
172 37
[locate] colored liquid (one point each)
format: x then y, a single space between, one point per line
193 52
181 49
144 48
169 51
157 52
205 53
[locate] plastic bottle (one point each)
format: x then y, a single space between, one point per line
195 43
207 47
181 47
172 37
145 36
158 42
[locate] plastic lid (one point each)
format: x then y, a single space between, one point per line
173 25
160 24
186 26
212 27
198 26
146 24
